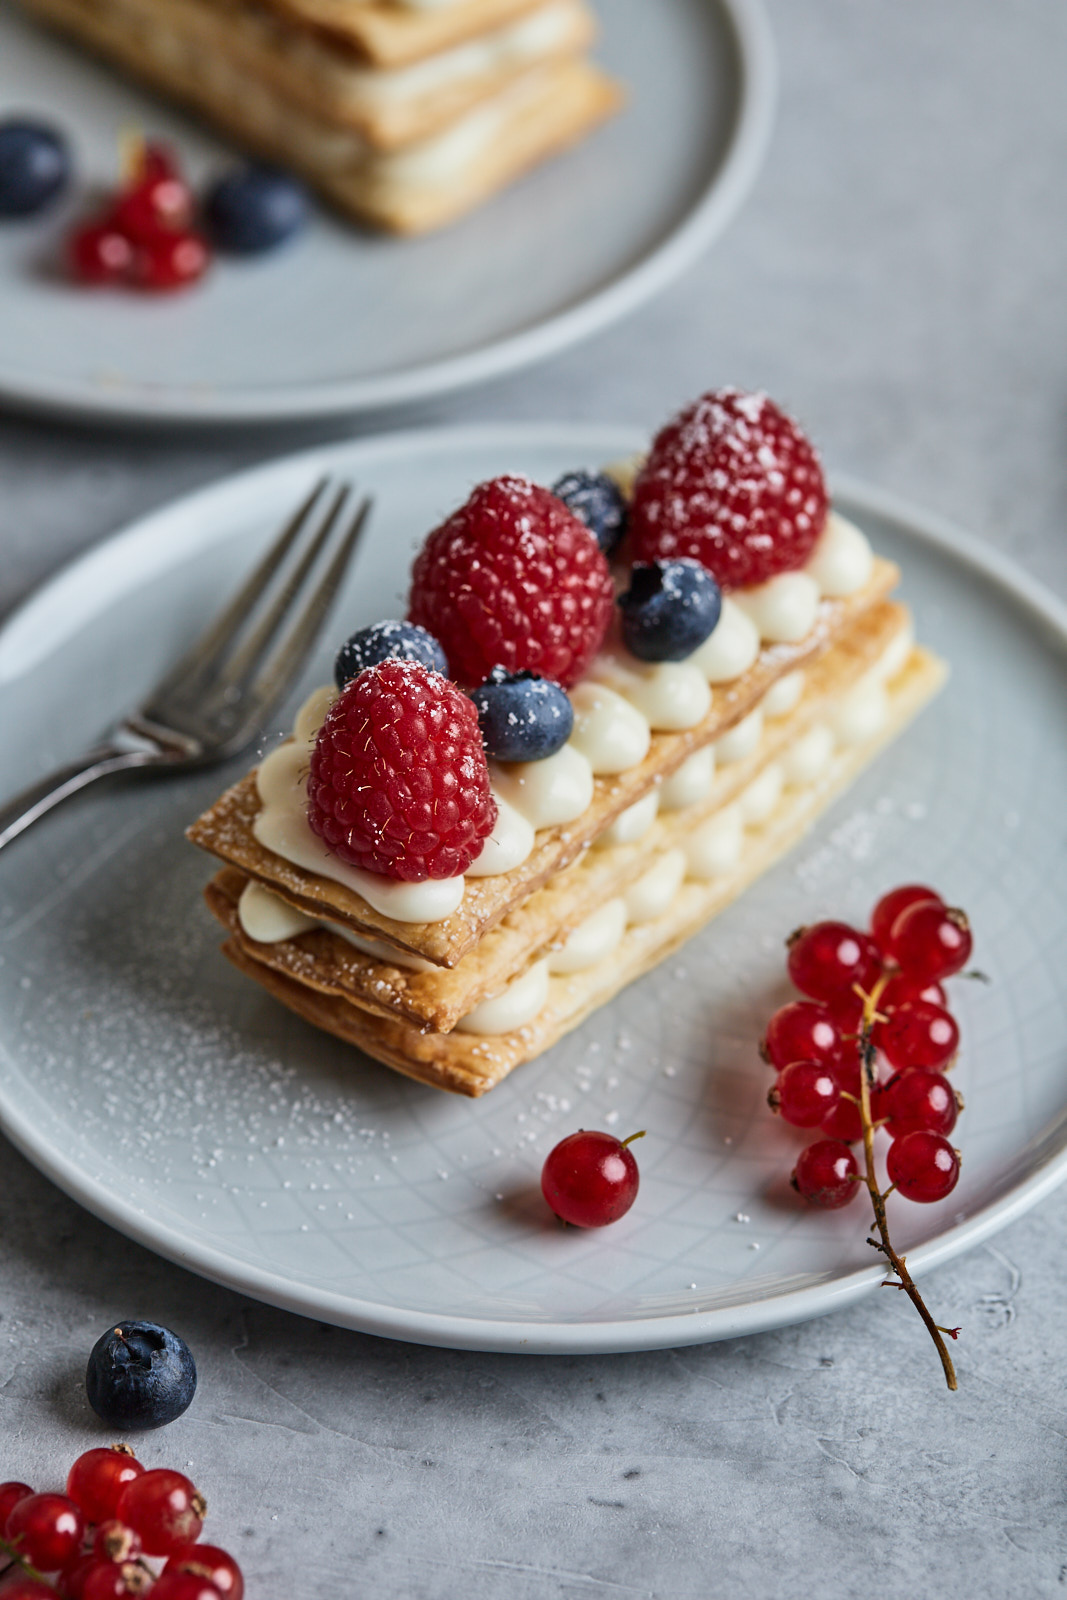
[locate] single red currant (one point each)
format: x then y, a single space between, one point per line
157 204
99 253
165 1508
902 990
844 1122
914 1102
72 1579
931 940
803 1030
10 1495
114 1541
923 1165
169 261
848 1072
827 959
591 1179
184 1586
805 1094
98 1477
826 1174
890 907
919 1035
46 1530
208 1561
156 160
111 1580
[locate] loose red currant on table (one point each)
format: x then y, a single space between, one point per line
931 940
919 1035
98 1477
804 1030
46 1530
208 1561
923 1165
827 959
913 1102
99 253
590 1178
165 1508
893 905
805 1094
169 261
159 202
826 1174
10 1495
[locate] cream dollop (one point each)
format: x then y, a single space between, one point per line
610 732
842 561
519 1002
592 940
716 847
631 824
783 609
863 712
507 846
731 647
670 695
783 696
549 792
762 795
742 739
267 918
653 893
808 757
692 781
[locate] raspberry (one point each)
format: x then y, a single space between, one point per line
398 782
733 482
513 579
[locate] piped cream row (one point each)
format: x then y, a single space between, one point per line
618 707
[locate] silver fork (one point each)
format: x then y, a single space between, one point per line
219 695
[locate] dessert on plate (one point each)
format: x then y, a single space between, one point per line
404 113
612 706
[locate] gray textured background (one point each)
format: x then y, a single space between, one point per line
898 279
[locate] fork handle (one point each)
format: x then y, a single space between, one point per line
17 815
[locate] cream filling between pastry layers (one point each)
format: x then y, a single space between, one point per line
712 850
617 708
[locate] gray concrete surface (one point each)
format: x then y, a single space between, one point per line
898 279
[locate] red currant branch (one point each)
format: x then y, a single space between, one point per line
897 1262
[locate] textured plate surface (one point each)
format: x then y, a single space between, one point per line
344 322
181 1104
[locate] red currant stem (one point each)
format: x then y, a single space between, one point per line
897 1262
17 1560
633 1136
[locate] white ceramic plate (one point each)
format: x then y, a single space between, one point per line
343 322
180 1103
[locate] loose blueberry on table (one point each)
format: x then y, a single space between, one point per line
140 1375
871 993
34 166
591 1178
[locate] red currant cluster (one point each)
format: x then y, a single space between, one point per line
92 1541
815 1046
145 236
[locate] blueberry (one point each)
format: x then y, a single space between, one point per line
596 500
254 208
140 1376
523 717
34 166
387 641
669 609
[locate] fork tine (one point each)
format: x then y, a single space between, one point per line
239 666
292 651
205 655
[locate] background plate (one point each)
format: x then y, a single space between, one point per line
181 1104
345 322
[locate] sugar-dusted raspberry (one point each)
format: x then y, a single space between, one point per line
398 782
733 482
513 579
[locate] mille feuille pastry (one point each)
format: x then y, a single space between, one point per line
453 881
404 115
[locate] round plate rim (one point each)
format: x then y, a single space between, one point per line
648 1332
706 220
